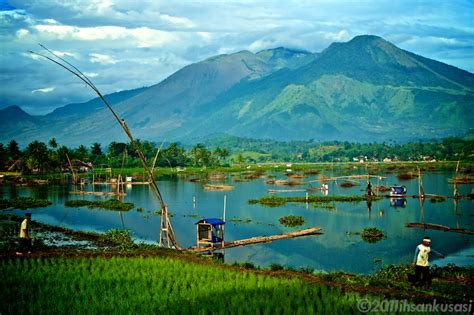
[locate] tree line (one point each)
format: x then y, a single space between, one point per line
40 157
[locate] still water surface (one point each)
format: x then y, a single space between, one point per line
339 248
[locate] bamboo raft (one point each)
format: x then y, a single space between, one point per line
439 227
262 239
218 187
98 193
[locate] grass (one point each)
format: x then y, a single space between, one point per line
110 204
156 285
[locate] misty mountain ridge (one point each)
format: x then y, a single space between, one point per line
366 89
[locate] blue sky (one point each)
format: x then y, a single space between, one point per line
128 44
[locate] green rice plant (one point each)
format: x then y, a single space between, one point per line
155 285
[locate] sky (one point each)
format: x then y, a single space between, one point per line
126 44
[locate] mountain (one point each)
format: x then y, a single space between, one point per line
17 124
76 110
366 89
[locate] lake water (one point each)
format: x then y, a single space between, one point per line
339 248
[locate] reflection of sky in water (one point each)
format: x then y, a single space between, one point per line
339 248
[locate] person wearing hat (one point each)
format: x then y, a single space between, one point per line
25 240
420 261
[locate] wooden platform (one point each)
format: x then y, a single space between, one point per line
263 239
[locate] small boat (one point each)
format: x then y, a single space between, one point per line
398 191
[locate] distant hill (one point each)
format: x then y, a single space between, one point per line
366 89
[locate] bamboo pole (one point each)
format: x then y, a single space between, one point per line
264 239
166 231
439 227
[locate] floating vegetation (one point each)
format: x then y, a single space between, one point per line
24 203
324 206
372 235
291 220
110 204
407 176
347 184
269 201
437 199
191 215
462 180
382 188
238 220
276 201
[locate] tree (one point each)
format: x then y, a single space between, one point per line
81 153
36 156
52 143
173 156
96 149
200 155
13 151
3 156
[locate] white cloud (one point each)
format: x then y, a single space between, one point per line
142 36
340 36
102 59
91 74
177 21
260 44
22 33
44 90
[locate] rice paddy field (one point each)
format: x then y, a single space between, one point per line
156 285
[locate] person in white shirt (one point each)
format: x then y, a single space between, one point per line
422 266
25 240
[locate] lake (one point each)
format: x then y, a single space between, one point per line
338 248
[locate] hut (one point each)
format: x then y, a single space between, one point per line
210 233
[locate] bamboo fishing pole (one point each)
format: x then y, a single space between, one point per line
165 226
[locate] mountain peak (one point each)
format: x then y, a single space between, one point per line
13 110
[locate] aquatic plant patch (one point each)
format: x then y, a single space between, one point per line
291 220
24 203
111 204
372 235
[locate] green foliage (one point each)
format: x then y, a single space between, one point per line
24 203
154 285
372 235
120 239
39 158
276 201
111 204
291 220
